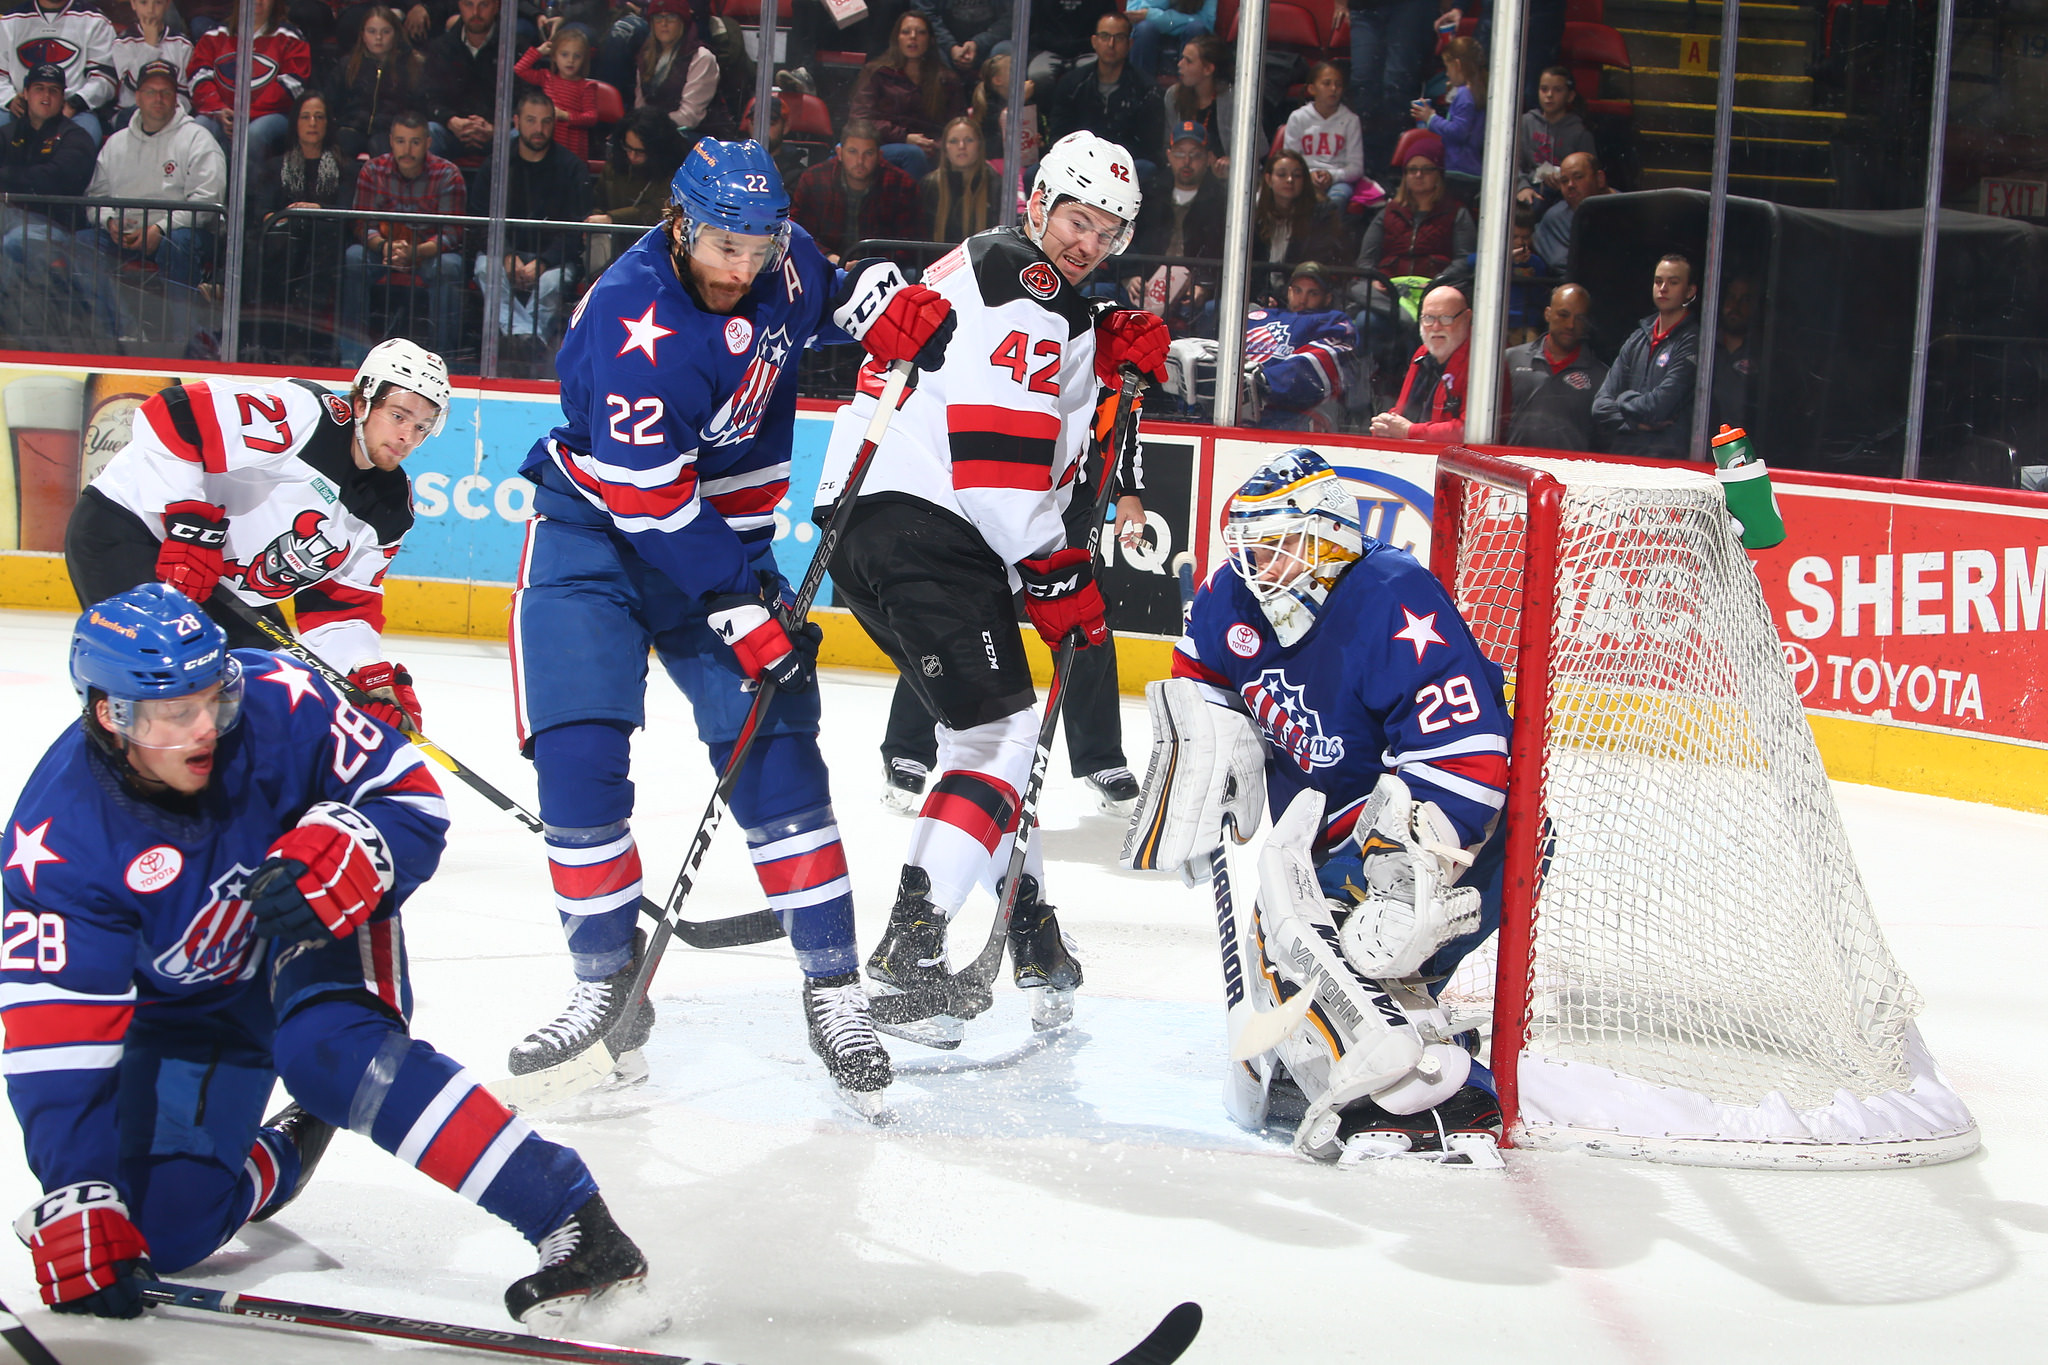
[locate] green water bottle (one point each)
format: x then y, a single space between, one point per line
1746 483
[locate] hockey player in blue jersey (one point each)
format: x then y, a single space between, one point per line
1331 674
653 521
213 862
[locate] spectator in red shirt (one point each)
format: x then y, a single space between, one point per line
574 94
855 196
408 179
1432 402
283 63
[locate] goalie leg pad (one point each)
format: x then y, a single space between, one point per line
1409 909
1208 763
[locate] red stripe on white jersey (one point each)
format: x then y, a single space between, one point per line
997 421
158 414
213 452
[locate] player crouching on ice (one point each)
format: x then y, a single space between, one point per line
214 860
270 492
964 503
1337 669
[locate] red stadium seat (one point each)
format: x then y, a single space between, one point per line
808 117
1585 11
611 108
1291 26
1587 49
747 12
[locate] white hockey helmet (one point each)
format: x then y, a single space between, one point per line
1093 170
410 366
1291 532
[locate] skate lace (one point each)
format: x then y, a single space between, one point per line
910 767
559 1245
1109 776
843 1019
586 1008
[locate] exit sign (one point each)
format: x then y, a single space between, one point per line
2013 198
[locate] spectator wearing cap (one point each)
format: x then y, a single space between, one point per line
1109 98
855 196
677 73
78 39
44 151
1553 380
1432 402
1300 358
1182 214
151 38
1422 228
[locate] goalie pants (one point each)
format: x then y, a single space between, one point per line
586 612
193 1084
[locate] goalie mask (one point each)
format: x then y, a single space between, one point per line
1291 532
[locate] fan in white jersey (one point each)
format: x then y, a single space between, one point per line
962 503
271 492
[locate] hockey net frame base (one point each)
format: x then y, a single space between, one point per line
1687 968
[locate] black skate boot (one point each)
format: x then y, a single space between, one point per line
1462 1131
594 1008
310 1136
1116 790
843 1036
903 782
584 1261
1042 958
912 954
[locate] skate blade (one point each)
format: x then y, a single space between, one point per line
620 1309
588 1069
1121 810
1050 1009
629 1070
1464 1151
940 1031
870 1106
900 801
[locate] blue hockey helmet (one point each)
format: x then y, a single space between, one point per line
734 186
1291 531
148 645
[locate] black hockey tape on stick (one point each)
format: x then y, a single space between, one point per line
758 926
970 990
24 1342
594 1064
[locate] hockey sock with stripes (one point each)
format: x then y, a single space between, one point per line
585 799
783 800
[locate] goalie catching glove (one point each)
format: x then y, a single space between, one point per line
321 879
1208 771
1409 907
892 318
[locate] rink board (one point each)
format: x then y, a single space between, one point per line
1911 614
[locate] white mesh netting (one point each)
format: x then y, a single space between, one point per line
1700 922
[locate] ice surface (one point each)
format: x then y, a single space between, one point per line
1047 1200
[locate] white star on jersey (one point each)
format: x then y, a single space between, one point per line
642 332
297 679
1421 632
29 853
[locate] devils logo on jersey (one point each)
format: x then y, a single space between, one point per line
301 556
740 418
217 944
338 408
55 51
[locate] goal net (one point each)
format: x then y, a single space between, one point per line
1688 968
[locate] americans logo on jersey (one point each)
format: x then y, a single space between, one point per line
740 418
1293 725
218 943
1268 340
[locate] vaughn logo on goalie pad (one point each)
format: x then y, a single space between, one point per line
1277 705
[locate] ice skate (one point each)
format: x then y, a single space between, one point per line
1116 791
594 1008
843 1036
1042 959
911 960
903 782
585 1262
1462 1131
311 1136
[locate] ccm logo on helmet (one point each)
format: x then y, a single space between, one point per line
1040 280
338 408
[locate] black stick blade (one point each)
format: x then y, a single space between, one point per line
1169 1341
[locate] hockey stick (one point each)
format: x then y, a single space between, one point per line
592 1065
1162 1345
24 1342
970 990
759 926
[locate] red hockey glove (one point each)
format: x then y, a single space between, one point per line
1060 596
392 699
189 559
1129 336
89 1257
746 622
893 320
322 878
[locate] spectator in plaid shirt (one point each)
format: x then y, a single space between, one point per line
405 180
856 195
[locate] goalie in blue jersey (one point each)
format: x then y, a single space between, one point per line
212 863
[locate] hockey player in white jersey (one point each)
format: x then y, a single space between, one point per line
962 503
277 491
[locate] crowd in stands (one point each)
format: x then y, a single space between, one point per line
891 128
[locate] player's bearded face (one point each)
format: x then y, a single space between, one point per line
171 740
1078 238
394 428
723 265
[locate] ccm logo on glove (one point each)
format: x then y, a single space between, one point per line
891 318
190 557
324 877
1060 596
